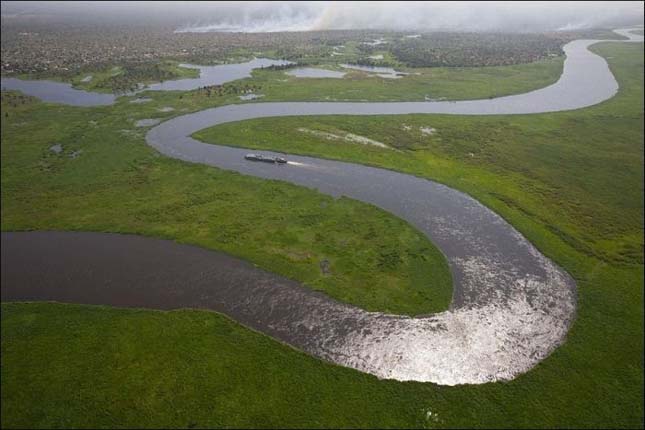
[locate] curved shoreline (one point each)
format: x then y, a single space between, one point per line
65 93
502 284
511 305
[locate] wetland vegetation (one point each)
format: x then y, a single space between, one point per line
571 182
119 57
151 195
478 154
131 76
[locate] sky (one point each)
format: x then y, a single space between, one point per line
324 15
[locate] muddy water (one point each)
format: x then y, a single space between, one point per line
134 271
511 305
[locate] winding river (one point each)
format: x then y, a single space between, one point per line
511 305
60 92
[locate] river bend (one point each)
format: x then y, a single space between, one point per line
511 305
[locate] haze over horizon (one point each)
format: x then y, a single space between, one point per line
253 17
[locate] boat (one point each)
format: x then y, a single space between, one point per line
264 158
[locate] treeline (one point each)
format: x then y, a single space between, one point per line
134 73
45 49
473 49
369 62
282 66
33 46
222 90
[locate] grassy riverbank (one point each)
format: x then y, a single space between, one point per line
118 79
571 182
123 78
454 83
575 173
107 179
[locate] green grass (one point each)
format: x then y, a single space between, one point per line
101 78
120 184
571 182
455 83
576 173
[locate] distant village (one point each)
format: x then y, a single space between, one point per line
40 49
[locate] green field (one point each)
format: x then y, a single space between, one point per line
117 183
575 173
104 81
454 83
571 182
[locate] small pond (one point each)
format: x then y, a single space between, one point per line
312 72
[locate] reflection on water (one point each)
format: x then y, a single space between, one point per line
216 75
511 305
383 72
59 92
311 72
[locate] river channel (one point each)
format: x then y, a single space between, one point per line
511 305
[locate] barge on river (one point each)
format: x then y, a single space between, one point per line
265 159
